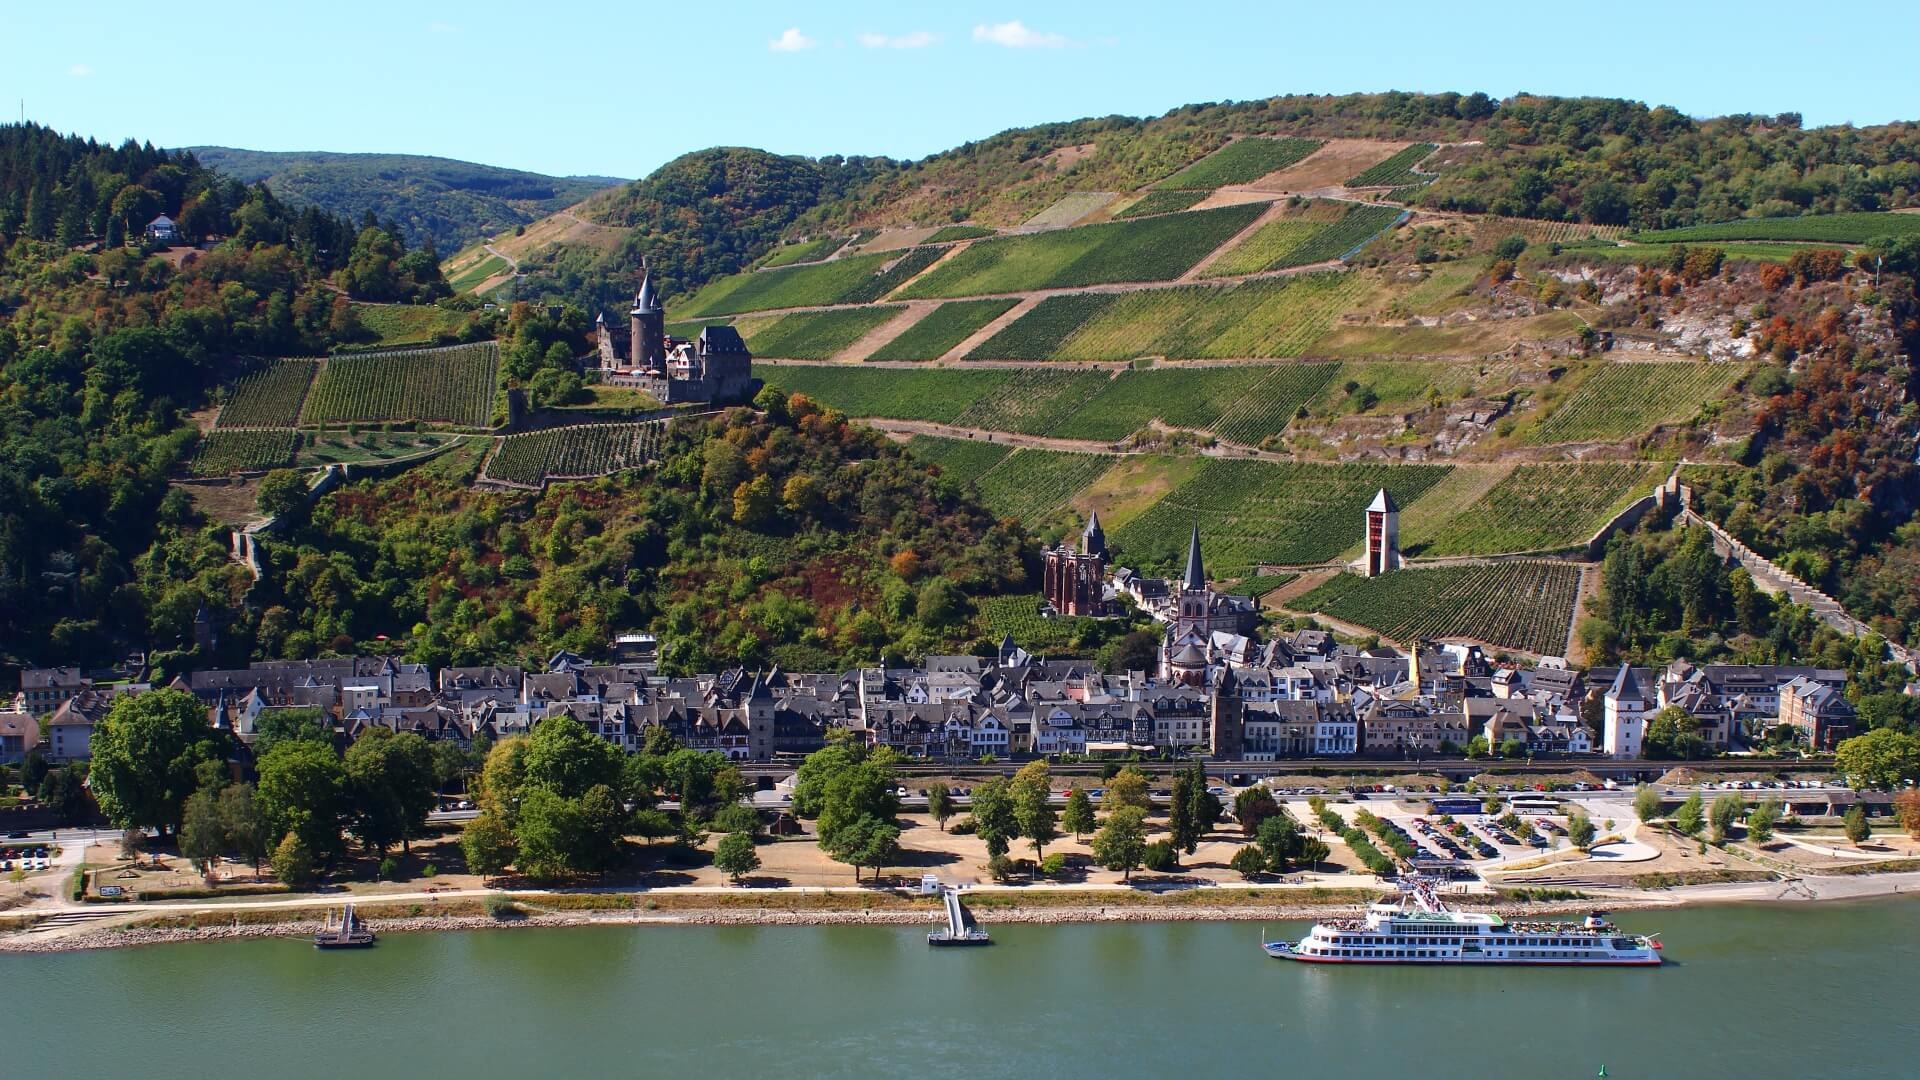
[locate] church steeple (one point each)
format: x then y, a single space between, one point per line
649 319
1093 541
1195 579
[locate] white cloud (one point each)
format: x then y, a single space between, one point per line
79 71
1015 35
791 40
914 39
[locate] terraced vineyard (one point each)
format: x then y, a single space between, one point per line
1516 605
962 460
1273 403
1020 617
943 328
1266 248
1267 318
224 453
1541 508
1857 228
1253 512
939 395
808 251
454 385
1241 161
856 279
1396 171
1161 202
816 335
951 233
270 397
1032 485
1032 401
1624 400
1142 249
1244 402
1354 229
575 452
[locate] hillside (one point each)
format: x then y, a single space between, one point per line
453 203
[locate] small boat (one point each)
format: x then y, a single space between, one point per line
960 928
350 934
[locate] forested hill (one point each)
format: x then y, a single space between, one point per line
452 202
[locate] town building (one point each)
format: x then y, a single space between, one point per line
1818 712
1382 536
715 367
1075 582
161 230
19 733
1625 713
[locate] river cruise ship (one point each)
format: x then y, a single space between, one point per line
1417 927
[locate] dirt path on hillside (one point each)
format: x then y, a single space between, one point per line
998 438
884 334
1273 211
985 334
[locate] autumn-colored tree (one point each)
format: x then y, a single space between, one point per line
1906 806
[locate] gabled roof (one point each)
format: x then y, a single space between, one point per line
1626 685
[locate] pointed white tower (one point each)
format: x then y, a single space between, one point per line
1383 535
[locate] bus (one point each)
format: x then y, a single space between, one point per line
1534 804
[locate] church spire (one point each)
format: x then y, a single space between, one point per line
1195 579
1093 541
647 300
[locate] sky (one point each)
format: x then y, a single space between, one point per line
577 87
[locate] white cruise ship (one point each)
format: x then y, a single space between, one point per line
1418 928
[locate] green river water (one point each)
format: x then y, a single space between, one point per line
1790 991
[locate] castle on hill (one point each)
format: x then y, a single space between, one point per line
715 367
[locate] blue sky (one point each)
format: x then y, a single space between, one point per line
571 86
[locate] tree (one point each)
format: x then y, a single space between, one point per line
1674 735
1726 810
1078 818
502 775
283 493
201 837
1203 806
940 803
292 861
487 842
1691 817
1280 838
1121 844
1249 862
1033 807
1127 788
567 759
994 821
1510 247
1646 804
1314 851
1252 806
1760 822
1878 759
550 835
866 841
302 790
144 755
738 817
1477 747
64 791
276 726
130 840
1906 807
1580 830
34 770
604 828
1856 825
243 824
390 782
735 857
1183 834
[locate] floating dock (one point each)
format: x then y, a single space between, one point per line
961 929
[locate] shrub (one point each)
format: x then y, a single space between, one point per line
1000 868
389 869
1053 865
1161 857
499 907
1249 862
429 870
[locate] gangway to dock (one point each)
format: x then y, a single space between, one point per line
961 928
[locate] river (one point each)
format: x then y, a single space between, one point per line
1749 992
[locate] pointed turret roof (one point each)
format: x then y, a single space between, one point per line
1196 576
1093 541
1625 685
647 300
1383 503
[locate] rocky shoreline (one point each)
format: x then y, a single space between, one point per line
128 937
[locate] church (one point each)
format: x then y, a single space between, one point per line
715 367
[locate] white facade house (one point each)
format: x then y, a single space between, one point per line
1626 711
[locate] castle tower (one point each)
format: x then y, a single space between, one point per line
648 348
1382 535
1226 719
1093 541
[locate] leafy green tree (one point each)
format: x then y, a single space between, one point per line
1856 825
1252 806
551 836
1161 857
865 841
1726 810
1033 807
1280 838
244 826
390 782
1878 759
201 837
567 759
1314 851
1078 818
282 494
1477 747
1203 806
1121 843
34 770
735 857
292 862
302 790
64 792
1674 735
276 726
940 803
1580 830
1510 247
1691 817
994 819
1183 832
1128 787
1249 862
488 844
737 818
1646 804
144 755
502 776
1761 821
604 822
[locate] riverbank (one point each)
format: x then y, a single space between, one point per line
850 907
